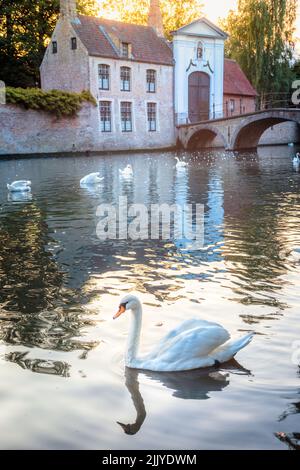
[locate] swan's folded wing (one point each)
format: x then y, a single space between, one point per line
193 338
189 324
200 341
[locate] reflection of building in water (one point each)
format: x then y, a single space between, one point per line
29 276
256 242
294 407
214 220
39 366
36 310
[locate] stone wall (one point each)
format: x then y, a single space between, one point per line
28 132
33 132
281 134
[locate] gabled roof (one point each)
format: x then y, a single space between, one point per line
99 34
235 81
215 30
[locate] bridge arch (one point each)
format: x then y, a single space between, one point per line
248 134
206 137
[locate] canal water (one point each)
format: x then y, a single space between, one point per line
63 381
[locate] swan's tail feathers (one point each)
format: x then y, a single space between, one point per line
231 348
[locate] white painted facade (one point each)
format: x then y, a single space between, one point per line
185 46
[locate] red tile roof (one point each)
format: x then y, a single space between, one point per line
235 81
97 34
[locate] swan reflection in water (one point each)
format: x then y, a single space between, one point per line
188 385
19 197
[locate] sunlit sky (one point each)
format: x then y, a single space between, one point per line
215 9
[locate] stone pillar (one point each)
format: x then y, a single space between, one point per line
68 8
155 18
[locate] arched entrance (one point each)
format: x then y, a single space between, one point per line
199 87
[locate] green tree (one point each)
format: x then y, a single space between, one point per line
25 28
175 13
261 40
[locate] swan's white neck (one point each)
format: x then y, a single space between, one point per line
134 335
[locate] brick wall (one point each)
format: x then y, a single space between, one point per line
235 105
33 132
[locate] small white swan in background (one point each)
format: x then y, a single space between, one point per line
92 178
193 344
128 171
19 186
180 164
296 160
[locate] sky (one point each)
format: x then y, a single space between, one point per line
215 9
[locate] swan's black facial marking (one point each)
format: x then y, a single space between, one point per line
124 305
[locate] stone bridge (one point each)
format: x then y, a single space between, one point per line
234 133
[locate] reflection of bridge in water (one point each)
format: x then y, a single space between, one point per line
235 133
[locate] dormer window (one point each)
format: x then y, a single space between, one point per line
200 51
73 44
125 50
54 47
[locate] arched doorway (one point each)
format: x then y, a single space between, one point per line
199 87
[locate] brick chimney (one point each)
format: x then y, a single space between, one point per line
68 9
155 18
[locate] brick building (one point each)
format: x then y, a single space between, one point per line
129 70
143 84
239 94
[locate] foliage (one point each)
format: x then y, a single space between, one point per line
261 40
296 69
175 13
60 103
25 29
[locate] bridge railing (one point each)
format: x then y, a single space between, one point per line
239 106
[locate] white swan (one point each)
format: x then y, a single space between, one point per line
19 186
180 164
92 178
296 160
128 171
193 344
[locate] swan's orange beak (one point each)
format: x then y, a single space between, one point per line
121 310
